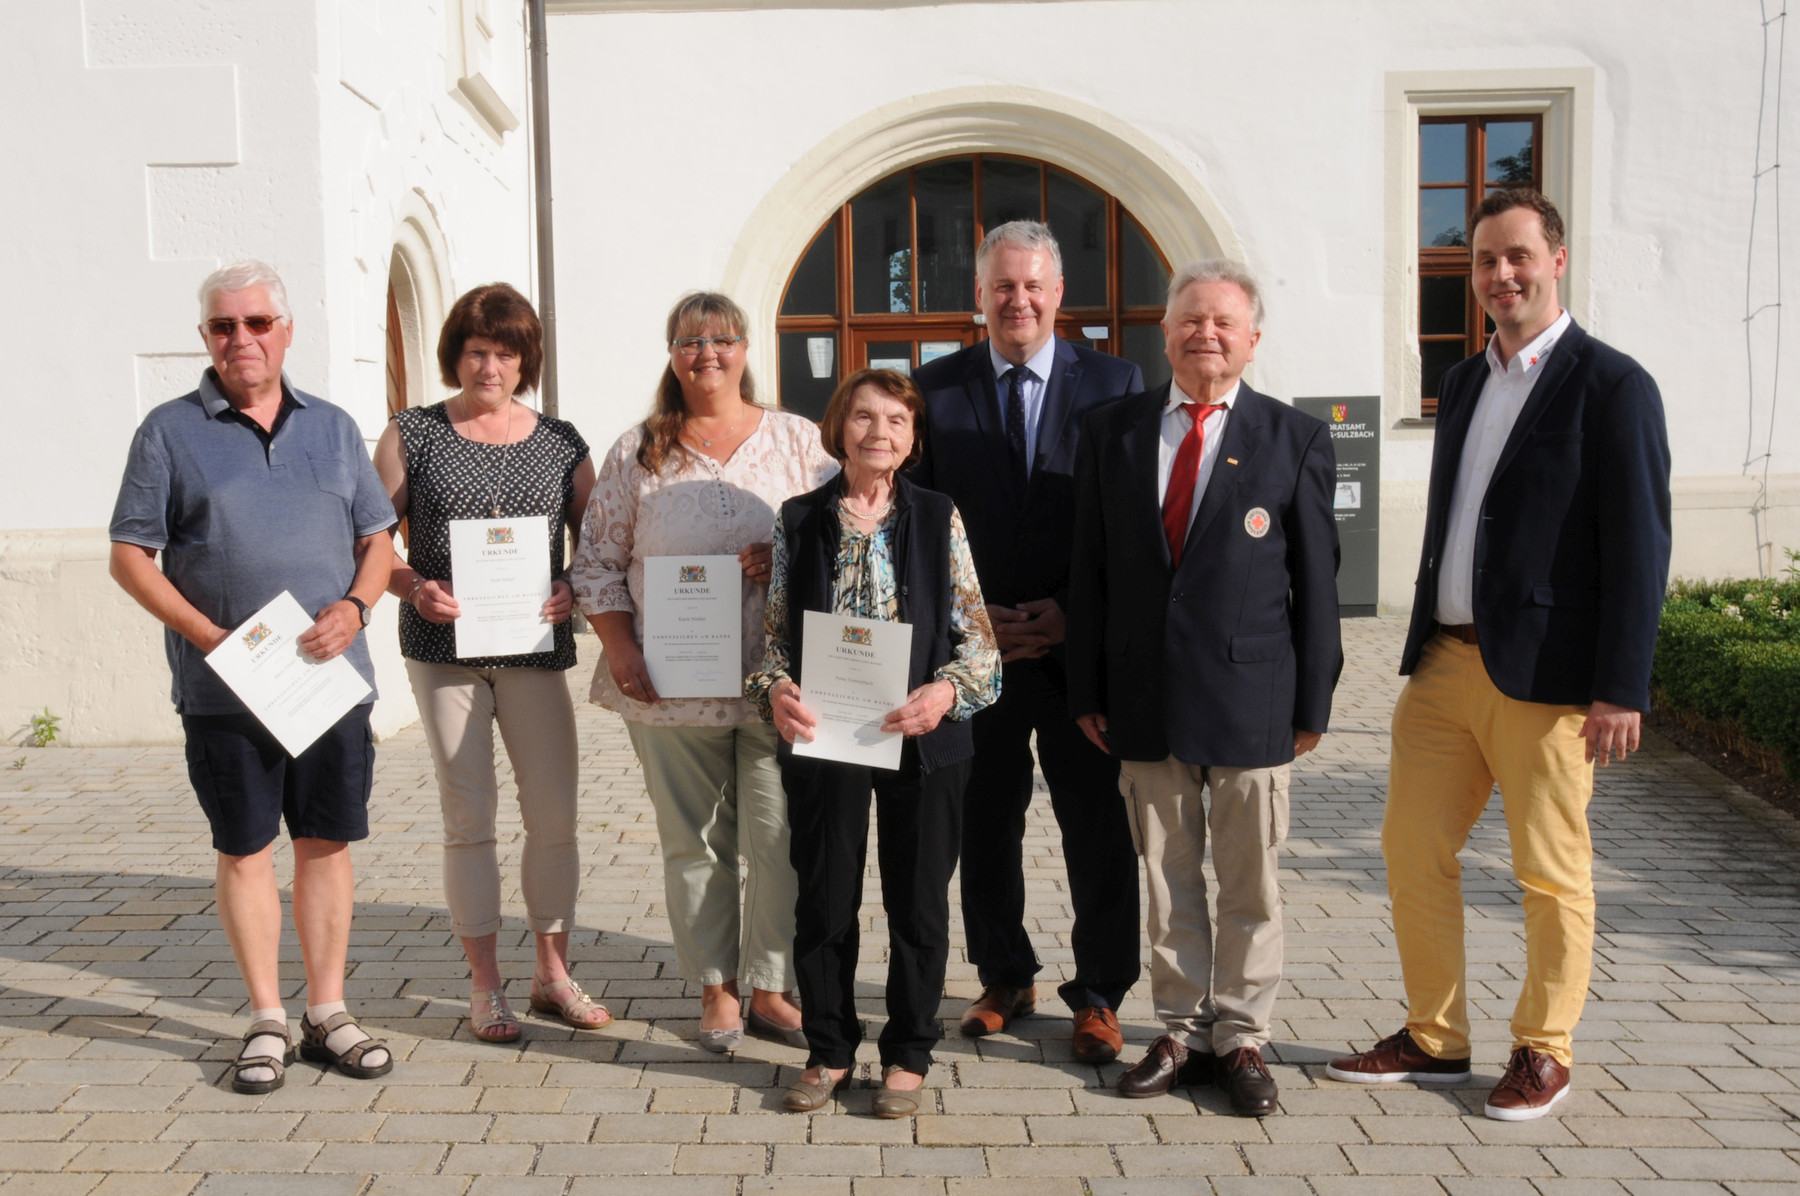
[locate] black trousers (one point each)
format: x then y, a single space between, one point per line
918 819
1096 841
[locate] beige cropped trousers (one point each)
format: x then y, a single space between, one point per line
459 707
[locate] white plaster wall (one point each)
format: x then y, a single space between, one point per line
165 138
671 128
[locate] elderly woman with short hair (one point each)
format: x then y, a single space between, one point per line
703 475
482 454
871 545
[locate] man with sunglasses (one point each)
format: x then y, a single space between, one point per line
248 487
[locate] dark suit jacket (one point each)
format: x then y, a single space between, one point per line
1020 541
1221 661
1572 551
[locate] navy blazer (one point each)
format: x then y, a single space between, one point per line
1020 541
1572 550
1221 661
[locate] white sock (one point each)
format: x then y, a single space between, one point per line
265 1045
344 1037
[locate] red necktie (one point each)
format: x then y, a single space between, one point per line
1178 499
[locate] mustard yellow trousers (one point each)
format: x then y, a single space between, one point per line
1454 736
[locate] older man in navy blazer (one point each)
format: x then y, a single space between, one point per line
1002 421
1533 625
1203 652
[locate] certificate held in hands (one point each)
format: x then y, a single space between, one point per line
297 698
852 672
502 580
694 626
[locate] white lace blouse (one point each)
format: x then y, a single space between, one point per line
699 506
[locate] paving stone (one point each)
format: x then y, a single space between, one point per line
920 1161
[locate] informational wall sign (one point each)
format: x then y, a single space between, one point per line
1356 437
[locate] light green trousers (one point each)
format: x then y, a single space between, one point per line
717 795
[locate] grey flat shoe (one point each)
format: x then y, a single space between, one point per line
804 1096
762 1027
893 1103
720 1042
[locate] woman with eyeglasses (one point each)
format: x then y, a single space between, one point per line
703 475
484 454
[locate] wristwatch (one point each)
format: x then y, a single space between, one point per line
362 608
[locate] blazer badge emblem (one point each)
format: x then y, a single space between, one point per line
1256 522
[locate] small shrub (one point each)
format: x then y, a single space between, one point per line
43 729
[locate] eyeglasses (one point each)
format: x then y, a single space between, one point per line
223 326
692 346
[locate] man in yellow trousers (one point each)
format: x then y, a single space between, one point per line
1545 559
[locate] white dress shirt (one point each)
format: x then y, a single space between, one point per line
1503 396
1037 375
1175 425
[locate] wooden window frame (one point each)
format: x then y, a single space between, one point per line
1457 261
854 329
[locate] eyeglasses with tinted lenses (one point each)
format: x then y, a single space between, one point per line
255 325
691 346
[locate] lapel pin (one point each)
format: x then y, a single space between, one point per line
1231 460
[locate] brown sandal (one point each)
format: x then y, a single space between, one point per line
573 1009
243 1063
314 1050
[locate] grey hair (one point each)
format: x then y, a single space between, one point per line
1217 269
241 276
1026 234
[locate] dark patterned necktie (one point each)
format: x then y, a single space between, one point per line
1015 423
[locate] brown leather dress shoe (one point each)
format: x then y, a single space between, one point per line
1394 1059
997 1005
1246 1079
1096 1038
1533 1083
1167 1064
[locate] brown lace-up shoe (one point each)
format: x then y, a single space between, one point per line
998 1005
1246 1079
1167 1064
1096 1038
1533 1083
1394 1059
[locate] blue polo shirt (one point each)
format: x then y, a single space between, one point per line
240 515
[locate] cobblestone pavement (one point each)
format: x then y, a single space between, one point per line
119 1006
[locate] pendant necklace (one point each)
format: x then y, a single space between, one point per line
705 443
498 471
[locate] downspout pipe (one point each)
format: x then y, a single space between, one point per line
540 163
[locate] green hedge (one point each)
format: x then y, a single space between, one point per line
1729 651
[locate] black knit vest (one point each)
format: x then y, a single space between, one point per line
921 545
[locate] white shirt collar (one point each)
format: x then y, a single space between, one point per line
1178 397
1531 357
1038 363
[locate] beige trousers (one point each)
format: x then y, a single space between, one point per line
459 707
1213 983
717 795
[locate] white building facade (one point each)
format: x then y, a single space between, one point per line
830 165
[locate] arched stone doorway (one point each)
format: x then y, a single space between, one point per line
1159 191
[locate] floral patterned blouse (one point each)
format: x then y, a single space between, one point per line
695 505
865 588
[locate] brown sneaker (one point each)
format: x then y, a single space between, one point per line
1533 1083
1394 1059
1096 1038
997 1005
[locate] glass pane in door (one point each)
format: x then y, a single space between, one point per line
944 195
809 371
891 355
1009 191
881 247
813 291
1078 218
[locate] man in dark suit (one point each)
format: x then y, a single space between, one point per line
1002 420
1203 652
1533 625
